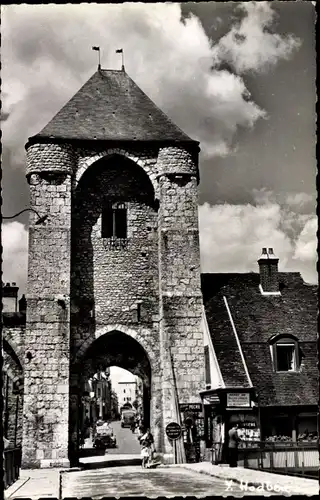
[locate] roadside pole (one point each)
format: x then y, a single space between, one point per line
173 431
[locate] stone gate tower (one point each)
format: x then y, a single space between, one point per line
114 271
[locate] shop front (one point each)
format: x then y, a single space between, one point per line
290 423
222 409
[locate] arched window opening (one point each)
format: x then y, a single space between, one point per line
114 220
285 354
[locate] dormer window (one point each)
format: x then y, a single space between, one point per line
286 357
114 221
285 354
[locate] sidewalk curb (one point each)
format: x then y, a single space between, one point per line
72 469
235 480
293 490
8 494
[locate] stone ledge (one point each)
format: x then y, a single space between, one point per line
53 463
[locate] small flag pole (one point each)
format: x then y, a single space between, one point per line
120 51
98 50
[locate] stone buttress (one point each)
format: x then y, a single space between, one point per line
46 391
180 303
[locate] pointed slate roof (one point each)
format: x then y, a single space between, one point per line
110 106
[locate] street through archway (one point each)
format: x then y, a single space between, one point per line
114 378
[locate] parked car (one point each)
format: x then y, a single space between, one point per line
104 437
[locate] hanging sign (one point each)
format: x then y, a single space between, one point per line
173 431
211 399
192 407
238 399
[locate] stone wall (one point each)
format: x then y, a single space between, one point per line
149 290
50 158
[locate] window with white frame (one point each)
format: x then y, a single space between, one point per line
285 354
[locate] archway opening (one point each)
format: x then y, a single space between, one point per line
114 382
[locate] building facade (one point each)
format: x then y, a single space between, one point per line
13 328
260 335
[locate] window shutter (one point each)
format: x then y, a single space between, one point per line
121 223
207 364
107 222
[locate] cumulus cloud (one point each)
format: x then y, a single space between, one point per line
250 45
306 245
296 209
232 236
47 57
15 254
51 58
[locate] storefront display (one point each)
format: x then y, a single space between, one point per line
193 429
248 426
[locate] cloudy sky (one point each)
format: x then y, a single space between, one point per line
238 77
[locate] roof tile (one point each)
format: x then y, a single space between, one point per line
110 106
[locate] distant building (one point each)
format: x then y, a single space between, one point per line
101 386
10 297
127 392
114 405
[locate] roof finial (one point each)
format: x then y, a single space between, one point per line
98 49
120 51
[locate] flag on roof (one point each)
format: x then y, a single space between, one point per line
119 51
95 48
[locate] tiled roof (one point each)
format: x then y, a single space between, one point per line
111 107
225 344
257 318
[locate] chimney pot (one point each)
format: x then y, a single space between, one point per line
7 284
268 265
14 283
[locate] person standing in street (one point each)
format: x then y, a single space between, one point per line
147 448
133 425
233 444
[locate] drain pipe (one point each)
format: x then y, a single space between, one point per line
60 484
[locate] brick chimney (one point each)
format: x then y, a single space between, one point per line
10 297
23 304
268 265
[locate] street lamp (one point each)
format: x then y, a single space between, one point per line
40 218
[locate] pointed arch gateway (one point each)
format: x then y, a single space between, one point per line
114 280
114 345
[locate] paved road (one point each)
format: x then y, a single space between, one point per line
127 442
134 481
